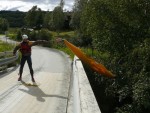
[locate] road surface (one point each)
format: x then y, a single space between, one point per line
52 70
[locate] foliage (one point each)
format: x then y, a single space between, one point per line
57 19
66 50
120 28
15 18
19 35
5 47
47 19
3 25
62 3
34 18
68 35
78 22
14 34
77 10
75 21
45 34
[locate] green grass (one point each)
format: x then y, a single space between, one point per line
67 51
13 30
61 46
65 34
12 36
5 47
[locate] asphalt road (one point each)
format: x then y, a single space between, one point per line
52 71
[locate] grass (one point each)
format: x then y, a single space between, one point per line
65 34
13 30
67 51
5 47
12 33
12 36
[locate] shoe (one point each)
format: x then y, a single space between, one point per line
33 80
19 79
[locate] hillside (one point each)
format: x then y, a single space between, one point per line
15 18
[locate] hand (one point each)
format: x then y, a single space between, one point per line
59 40
45 42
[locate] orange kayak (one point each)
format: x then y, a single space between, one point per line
91 62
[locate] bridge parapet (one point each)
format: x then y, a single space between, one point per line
82 98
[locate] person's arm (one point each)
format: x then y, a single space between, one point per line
39 42
15 49
59 40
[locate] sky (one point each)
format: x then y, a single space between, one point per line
26 5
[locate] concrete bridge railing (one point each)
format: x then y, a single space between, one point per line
82 98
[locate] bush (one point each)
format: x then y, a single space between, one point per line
5 47
19 35
120 28
45 34
34 35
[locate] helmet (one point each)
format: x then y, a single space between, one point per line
24 37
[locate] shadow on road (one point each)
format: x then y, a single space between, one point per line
38 93
8 71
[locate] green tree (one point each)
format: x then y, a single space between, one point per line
3 25
62 3
120 28
19 35
77 10
15 18
113 25
58 17
34 18
47 20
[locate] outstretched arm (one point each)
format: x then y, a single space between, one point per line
39 42
45 42
59 40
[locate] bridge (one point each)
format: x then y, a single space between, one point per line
62 86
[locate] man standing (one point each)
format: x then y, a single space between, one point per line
25 49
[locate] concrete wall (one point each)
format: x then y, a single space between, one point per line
81 96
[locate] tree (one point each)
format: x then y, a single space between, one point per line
78 24
19 35
120 29
67 21
57 19
62 4
34 18
15 18
3 25
77 10
47 20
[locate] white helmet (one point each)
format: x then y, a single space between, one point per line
24 37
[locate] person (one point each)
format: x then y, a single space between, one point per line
25 49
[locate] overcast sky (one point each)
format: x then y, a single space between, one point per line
25 5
